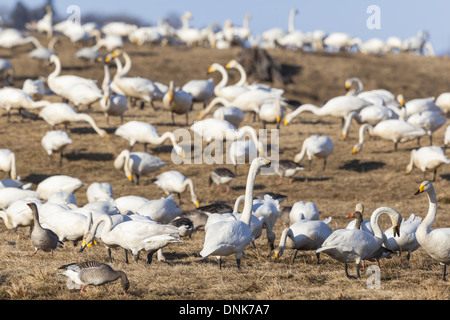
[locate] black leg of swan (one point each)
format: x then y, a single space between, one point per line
444 270
346 271
150 256
238 263
109 254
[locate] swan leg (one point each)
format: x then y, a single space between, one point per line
318 258
126 255
346 271
444 270
220 262
150 256
187 118
109 254
294 255
173 119
434 175
238 263
137 179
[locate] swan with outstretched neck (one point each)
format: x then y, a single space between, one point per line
224 238
436 242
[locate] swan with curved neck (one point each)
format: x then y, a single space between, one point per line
395 130
224 238
355 245
338 107
436 242
221 89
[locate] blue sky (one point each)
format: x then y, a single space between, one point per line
401 18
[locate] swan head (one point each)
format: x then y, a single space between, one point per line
231 64
278 252
88 241
357 148
261 162
179 151
424 187
401 100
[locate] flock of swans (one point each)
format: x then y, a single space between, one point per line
136 224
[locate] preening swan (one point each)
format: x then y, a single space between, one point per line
355 245
304 235
428 158
436 242
94 273
177 101
55 141
316 147
62 113
303 211
227 112
337 107
143 132
224 238
137 163
175 182
396 130
407 241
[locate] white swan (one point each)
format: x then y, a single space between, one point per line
304 235
428 158
43 53
416 106
436 242
11 38
97 191
82 94
396 130
175 182
10 194
177 101
229 112
143 132
337 107
428 120
303 211
316 147
370 114
55 141
112 105
137 163
221 89
18 214
15 98
355 245
376 96
224 238
60 83
129 203
8 163
443 102
62 113
57 183
447 137
35 88
271 112
133 235
161 210
407 241
339 40
287 168
201 90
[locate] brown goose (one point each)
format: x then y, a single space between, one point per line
44 239
94 273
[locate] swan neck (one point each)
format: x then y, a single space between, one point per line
212 104
303 108
291 26
223 82
362 131
432 211
243 80
237 203
248 201
348 122
166 135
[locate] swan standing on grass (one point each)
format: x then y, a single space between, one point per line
224 238
55 141
175 182
15 98
62 113
143 132
430 121
337 107
303 211
428 158
355 245
395 130
436 242
133 236
177 101
137 163
8 163
407 241
316 147
304 235
58 183
221 89
200 90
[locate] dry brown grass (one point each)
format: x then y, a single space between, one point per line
375 177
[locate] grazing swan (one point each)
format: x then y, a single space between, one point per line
60 83
407 240
337 107
221 176
175 182
57 183
224 238
137 163
62 113
200 90
15 98
436 242
415 106
271 112
287 168
229 112
317 147
42 238
143 132
55 141
428 158
177 101
304 235
303 211
161 210
355 245
8 163
371 114
428 120
133 235
396 130
94 273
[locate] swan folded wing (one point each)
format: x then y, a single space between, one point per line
440 250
